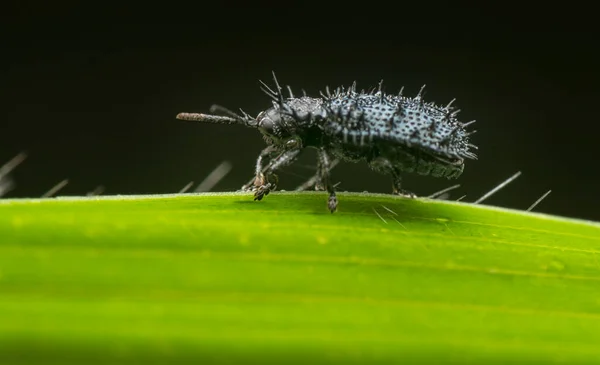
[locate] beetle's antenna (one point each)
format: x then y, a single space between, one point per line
231 118
206 118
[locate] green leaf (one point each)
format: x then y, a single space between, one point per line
219 278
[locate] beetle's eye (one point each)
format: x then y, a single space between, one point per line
291 143
265 122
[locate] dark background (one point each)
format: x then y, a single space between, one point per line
91 93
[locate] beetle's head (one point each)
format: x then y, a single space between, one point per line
274 125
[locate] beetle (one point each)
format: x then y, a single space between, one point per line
393 134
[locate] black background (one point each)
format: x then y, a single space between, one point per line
91 93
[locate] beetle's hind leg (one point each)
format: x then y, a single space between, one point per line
384 166
323 169
396 186
315 180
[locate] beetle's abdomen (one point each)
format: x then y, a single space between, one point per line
401 158
370 119
408 133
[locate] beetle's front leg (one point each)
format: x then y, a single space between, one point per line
267 181
258 177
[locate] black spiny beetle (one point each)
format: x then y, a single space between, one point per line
392 133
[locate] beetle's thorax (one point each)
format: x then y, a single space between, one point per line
291 120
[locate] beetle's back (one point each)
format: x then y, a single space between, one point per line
413 135
407 133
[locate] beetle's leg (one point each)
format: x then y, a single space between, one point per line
323 169
319 184
384 166
315 180
258 178
268 181
397 183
